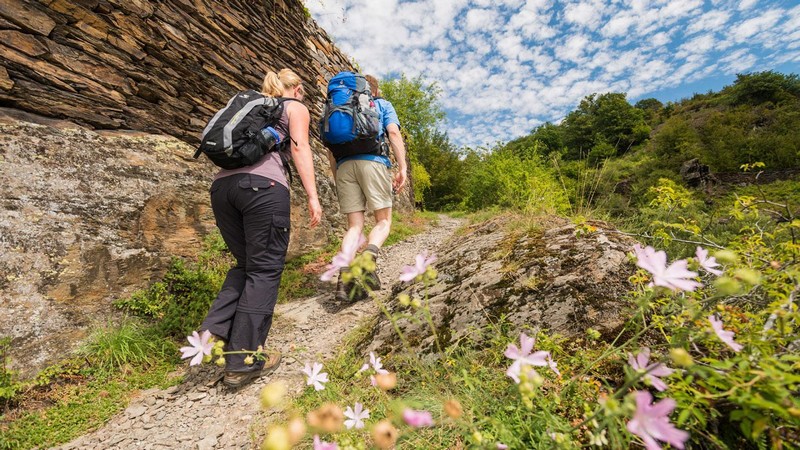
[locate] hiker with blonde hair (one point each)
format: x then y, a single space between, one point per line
251 206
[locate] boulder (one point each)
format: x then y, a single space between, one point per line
556 277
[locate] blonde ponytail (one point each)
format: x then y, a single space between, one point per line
275 84
272 85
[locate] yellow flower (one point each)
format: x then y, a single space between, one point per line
277 439
272 394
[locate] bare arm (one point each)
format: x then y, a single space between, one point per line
399 149
303 160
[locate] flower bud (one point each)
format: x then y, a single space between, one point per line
537 379
592 334
404 299
272 394
297 429
357 271
328 418
416 303
726 257
220 362
477 437
775 265
680 357
794 412
386 381
207 359
217 350
248 360
453 409
384 435
277 439
219 344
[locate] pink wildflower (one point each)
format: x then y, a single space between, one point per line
314 376
676 277
421 265
417 419
201 346
651 422
654 371
502 446
356 416
724 335
342 259
322 445
707 263
376 364
522 356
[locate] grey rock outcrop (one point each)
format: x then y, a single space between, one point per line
555 277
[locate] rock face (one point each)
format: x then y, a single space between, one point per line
87 216
92 210
554 277
156 66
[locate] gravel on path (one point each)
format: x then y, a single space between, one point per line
201 414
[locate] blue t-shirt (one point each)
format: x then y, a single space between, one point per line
388 116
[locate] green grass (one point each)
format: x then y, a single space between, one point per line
300 277
405 226
471 373
78 408
112 347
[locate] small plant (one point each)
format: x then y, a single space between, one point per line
9 386
112 347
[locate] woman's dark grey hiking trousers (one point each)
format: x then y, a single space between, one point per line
252 214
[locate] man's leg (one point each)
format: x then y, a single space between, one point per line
383 225
355 226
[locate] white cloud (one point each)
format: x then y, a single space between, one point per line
530 61
583 13
710 21
755 25
480 20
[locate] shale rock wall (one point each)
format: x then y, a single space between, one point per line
101 103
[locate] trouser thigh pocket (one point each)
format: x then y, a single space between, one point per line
279 239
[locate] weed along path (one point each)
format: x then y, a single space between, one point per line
202 414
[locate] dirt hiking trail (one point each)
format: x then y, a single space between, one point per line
202 414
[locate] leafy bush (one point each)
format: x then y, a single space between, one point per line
179 302
507 180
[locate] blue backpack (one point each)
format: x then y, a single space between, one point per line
350 121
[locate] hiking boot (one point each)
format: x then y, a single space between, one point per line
342 293
372 281
235 380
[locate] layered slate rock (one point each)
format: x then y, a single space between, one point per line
155 66
552 276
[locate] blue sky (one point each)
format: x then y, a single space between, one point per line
506 66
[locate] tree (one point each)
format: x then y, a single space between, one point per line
604 118
761 87
432 156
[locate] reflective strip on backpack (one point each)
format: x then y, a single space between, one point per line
216 116
227 138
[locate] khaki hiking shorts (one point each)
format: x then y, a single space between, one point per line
363 186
